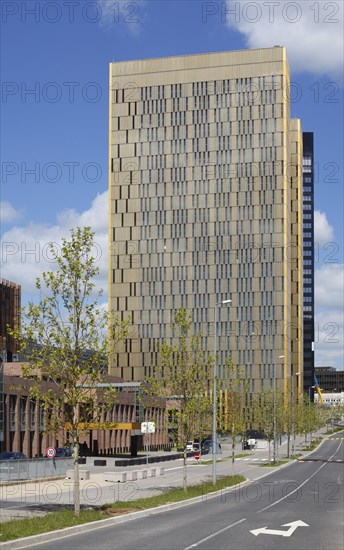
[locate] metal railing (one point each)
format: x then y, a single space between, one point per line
34 468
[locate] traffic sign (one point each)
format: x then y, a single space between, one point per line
51 452
147 427
196 455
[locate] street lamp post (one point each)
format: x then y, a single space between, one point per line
275 412
309 412
214 445
333 405
292 412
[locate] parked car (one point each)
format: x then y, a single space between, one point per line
189 446
196 447
206 445
12 455
249 444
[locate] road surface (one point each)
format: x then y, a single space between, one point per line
299 506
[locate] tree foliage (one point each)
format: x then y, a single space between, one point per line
234 393
269 414
183 377
64 340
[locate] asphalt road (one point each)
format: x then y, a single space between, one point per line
299 506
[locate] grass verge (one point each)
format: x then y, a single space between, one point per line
334 431
206 462
20 528
313 445
274 464
295 456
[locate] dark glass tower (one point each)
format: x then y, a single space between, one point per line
308 261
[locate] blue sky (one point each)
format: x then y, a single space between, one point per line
62 51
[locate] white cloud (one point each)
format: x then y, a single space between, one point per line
329 286
311 31
122 13
8 213
329 318
323 231
25 250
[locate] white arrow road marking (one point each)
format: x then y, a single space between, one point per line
292 527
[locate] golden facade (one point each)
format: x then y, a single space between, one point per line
205 204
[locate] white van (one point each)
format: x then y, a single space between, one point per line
189 446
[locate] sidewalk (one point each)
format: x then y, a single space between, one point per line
38 498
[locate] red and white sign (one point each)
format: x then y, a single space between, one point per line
51 452
196 455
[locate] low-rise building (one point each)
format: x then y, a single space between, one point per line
331 398
330 379
24 420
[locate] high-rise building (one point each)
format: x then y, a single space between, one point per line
308 260
205 205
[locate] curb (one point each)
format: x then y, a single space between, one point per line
51 536
25 481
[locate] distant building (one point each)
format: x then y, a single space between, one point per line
10 305
330 379
331 398
308 260
2 400
10 297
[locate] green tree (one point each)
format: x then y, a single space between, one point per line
266 414
306 418
291 417
235 390
54 336
183 378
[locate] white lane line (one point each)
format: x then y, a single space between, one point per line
253 459
263 459
302 484
214 534
246 459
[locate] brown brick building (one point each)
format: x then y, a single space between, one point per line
10 295
24 420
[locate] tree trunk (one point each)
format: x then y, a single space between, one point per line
76 477
293 445
288 446
185 473
233 446
269 451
